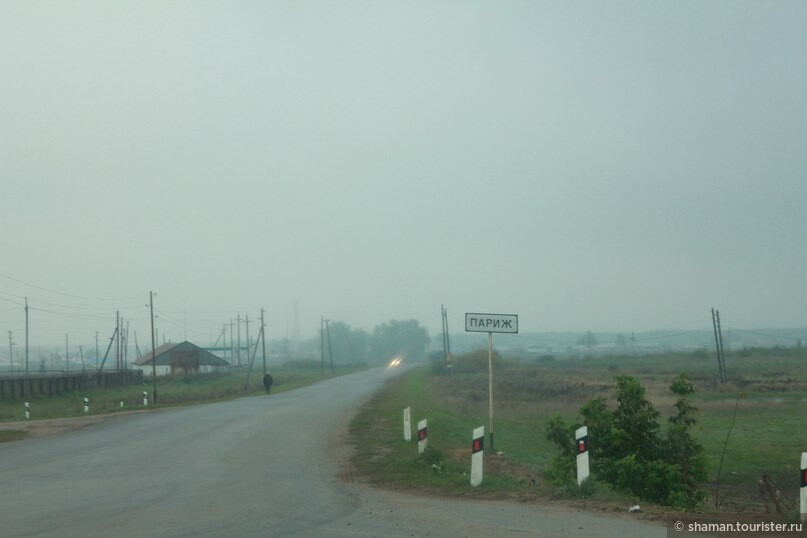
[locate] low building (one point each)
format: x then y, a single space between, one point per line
183 358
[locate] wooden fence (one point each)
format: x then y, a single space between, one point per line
25 386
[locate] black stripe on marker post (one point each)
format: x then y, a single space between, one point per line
478 445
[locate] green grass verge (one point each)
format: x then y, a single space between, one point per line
170 392
767 437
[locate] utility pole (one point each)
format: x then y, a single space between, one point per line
445 345
153 352
263 341
446 341
232 344
26 336
296 335
246 323
117 340
321 346
720 338
224 340
718 348
96 346
330 349
10 351
238 346
81 354
125 347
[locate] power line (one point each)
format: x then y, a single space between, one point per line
69 294
672 335
781 336
75 306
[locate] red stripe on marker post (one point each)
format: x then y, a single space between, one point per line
581 442
582 445
477 455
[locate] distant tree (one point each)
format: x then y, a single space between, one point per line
358 343
395 338
339 337
348 345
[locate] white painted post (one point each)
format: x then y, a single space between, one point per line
407 425
477 456
86 405
581 440
803 508
27 410
121 404
422 436
145 398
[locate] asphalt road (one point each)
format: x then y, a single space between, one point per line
261 466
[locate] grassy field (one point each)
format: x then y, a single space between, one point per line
754 423
171 391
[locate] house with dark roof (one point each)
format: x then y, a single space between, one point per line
183 358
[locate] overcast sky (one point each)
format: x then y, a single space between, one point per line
586 165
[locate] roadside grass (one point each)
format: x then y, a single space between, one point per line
768 389
171 391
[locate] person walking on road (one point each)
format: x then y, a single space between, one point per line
267 382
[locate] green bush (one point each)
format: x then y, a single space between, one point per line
629 451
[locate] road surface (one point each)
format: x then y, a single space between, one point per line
261 466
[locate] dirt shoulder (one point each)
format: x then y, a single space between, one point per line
32 429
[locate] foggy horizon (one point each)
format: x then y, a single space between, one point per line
586 166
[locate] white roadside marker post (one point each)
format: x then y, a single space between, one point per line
581 441
86 405
121 404
478 456
803 508
27 410
145 398
422 436
407 425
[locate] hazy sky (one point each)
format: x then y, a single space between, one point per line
586 165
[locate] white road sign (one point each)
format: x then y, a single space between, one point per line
491 323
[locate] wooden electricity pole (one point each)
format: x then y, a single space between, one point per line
263 341
238 346
321 346
246 324
153 353
26 336
330 349
721 368
10 351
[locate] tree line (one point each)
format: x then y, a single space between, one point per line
346 344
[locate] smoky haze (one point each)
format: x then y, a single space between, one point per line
585 165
